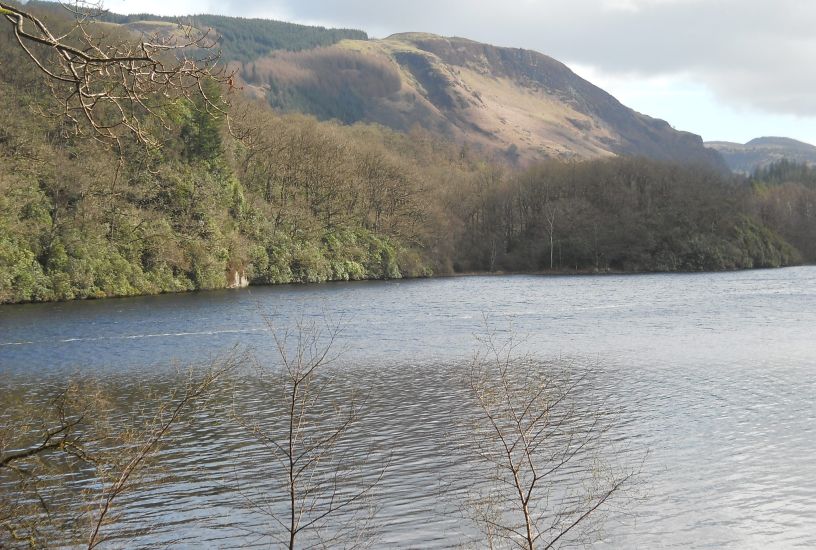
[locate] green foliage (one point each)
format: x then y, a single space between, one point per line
785 200
762 247
201 135
348 255
21 276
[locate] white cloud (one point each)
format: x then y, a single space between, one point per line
691 106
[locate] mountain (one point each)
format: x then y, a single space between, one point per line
762 152
517 102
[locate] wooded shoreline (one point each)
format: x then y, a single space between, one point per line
540 273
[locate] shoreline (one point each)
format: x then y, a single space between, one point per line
540 273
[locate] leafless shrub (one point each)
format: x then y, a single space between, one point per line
540 481
63 469
320 489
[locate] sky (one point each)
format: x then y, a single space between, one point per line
729 70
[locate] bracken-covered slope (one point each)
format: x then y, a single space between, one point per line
518 102
762 152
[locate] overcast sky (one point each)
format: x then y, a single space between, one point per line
726 69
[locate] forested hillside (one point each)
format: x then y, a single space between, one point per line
239 38
287 198
243 39
515 103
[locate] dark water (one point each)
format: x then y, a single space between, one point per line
714 374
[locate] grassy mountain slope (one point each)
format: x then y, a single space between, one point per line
506 100
762 152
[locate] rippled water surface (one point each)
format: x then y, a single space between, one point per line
713 374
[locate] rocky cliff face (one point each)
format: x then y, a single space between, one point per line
515 102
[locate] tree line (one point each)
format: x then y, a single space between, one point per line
785 200
620 214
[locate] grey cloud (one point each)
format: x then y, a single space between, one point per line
756 53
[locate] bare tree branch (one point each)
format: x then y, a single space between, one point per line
166 418
78 435
321 487
528 430
110 85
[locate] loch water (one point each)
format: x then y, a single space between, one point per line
712 378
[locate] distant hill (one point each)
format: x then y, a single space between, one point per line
517 102
762 152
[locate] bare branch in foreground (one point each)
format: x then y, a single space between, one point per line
65 467
124 475
536 446
113 84
321 486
